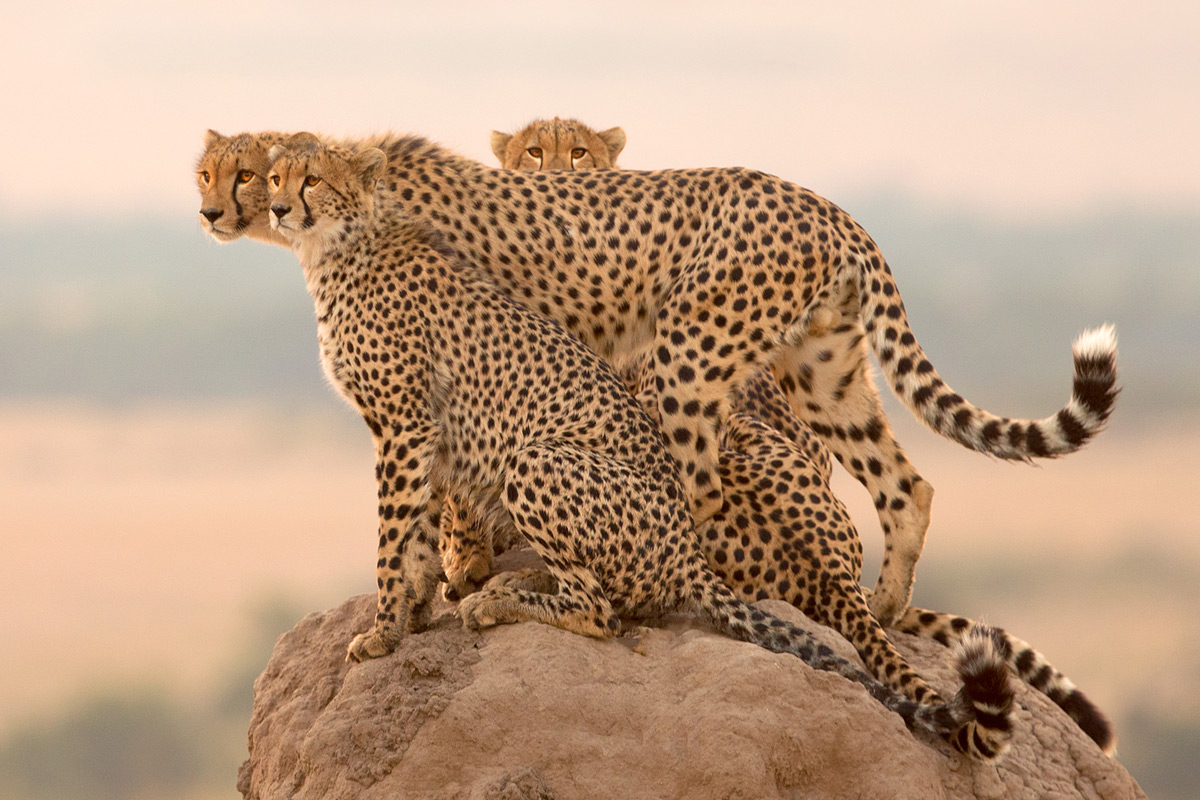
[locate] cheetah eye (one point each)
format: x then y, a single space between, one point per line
536 152
245 176
274 180
578 153
204 176
311 180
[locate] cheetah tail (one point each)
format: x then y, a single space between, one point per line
917 383
984 673
743 622
1030 665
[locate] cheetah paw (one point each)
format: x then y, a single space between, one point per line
458 586
366 646
464 576
483 609
530 580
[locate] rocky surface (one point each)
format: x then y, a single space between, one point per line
530 712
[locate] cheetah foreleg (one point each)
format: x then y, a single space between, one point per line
466 547
695 377
407 569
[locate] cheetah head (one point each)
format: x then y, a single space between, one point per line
319 192
232 177
558 144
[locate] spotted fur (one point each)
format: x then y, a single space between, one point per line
782 534
719 273
853 390
466 392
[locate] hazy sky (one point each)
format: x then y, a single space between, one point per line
1009 108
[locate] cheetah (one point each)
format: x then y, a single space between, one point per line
467 392
741 563
558 144
718 273
886 602
783 535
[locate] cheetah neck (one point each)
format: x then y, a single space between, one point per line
330 259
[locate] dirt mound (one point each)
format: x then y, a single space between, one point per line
530 712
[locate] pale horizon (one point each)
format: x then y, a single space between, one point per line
1008 110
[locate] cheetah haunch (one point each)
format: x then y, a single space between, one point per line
468 392
717 273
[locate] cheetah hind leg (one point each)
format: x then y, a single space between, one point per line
578 606
828 385
580 492
762 398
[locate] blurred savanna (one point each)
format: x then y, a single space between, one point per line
178 485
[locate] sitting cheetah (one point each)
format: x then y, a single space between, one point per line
782 534
468 392
718 273
558 144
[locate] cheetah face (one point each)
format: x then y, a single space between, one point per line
318 193
558 144
232 178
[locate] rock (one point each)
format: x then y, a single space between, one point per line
531 712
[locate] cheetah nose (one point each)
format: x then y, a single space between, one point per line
211 214
280 211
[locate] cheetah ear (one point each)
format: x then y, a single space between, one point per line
500 144
275 152
614 140
302 141
212 139
368 165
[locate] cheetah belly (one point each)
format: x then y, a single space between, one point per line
334 365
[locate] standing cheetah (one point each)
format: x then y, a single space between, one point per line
466 391
894 587
718 273
828 553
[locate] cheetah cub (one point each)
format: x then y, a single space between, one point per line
558 144
466 391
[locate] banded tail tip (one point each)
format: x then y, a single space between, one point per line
1096 343
983 668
